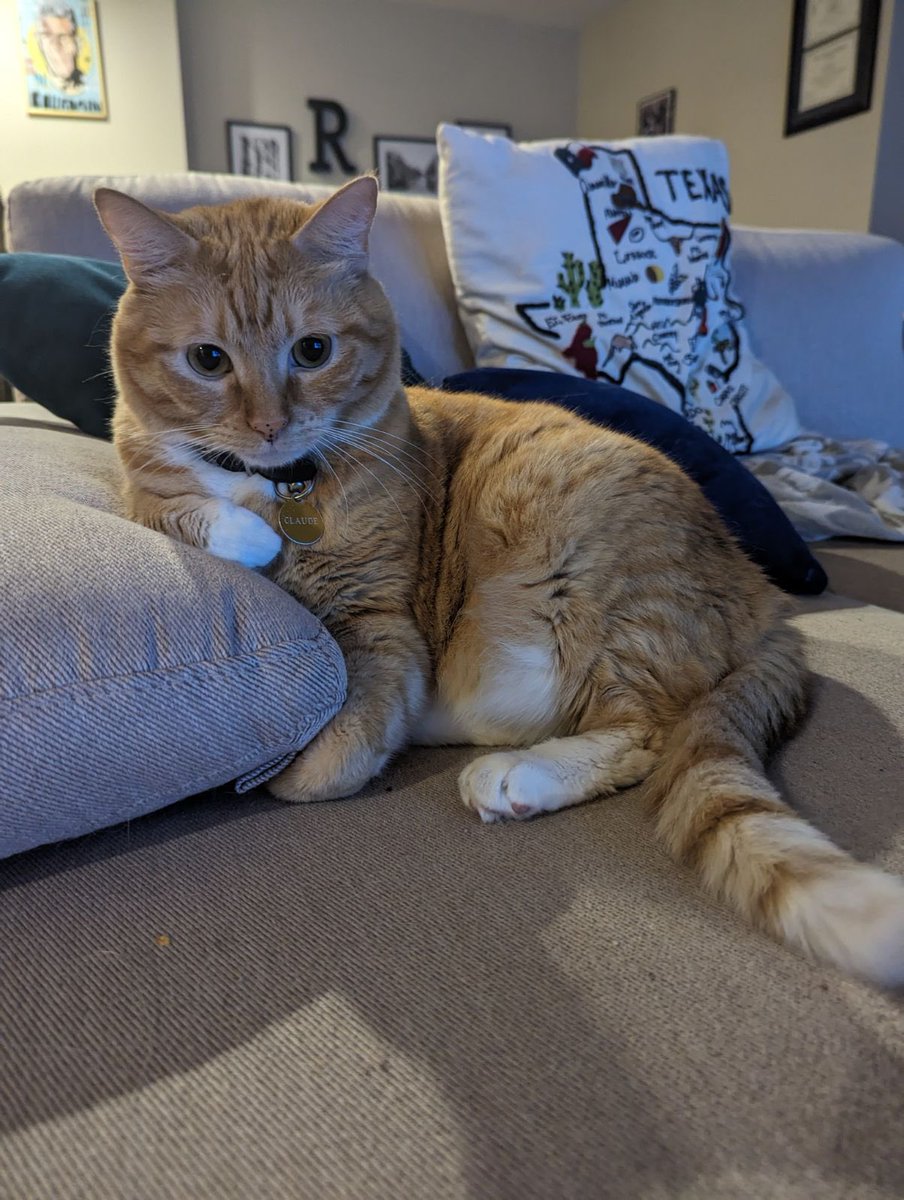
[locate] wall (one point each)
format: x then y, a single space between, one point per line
728 60
145 130
888 193
396 68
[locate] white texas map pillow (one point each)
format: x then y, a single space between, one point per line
609 260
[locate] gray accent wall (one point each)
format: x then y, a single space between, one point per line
397 68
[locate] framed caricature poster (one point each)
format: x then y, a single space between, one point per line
64 73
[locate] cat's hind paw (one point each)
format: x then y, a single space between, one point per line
512 786
519 784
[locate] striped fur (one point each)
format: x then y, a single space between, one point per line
496 574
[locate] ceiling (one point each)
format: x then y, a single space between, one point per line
559 14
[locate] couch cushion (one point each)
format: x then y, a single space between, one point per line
868 571
383 998
842 363
408 255
134 670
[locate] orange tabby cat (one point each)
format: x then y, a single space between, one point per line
497 574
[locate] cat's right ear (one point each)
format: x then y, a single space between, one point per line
148 241
340 226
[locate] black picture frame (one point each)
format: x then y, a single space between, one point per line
415 171
280 134
502 128
859 99
656 114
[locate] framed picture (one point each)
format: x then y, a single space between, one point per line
407 164
264 151
64 71
656 114
496 127
833 51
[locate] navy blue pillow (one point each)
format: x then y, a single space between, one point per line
760 526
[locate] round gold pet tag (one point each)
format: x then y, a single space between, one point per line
300 522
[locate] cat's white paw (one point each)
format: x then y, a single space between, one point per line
513 786
520 784
242 536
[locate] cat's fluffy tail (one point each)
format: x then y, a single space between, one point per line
715 810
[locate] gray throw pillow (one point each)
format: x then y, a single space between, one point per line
134 671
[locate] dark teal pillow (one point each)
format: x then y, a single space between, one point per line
55 315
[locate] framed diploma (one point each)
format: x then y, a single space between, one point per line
833 50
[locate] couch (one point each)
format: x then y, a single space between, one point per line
381 998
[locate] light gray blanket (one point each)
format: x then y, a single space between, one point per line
830 488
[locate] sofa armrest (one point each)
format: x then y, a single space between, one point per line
825 313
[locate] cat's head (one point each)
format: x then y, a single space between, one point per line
253 327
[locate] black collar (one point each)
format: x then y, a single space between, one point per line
303 470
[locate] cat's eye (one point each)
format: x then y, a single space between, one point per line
312 351
209 360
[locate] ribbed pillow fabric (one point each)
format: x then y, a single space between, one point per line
134 671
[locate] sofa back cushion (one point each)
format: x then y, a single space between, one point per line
408 255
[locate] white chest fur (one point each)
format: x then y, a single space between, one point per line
509 697
214 481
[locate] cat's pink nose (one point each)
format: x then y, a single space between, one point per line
269 427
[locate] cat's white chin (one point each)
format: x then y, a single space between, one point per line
241 536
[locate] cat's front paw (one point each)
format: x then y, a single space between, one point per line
241 536
331 767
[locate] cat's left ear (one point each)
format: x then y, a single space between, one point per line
340 227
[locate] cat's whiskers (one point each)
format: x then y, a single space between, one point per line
322 458
393 462
164 436
346 459
378 438
104 373
384 433
355 463
333 444
395 470
169 439
396 466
